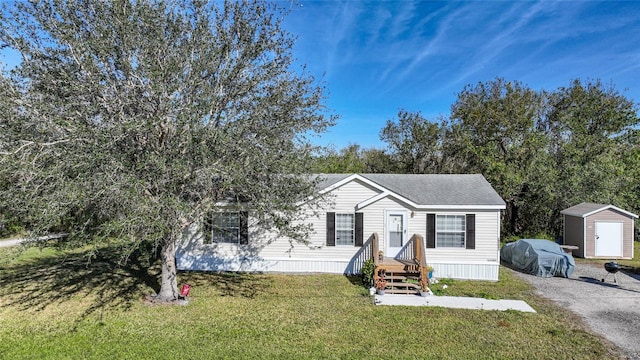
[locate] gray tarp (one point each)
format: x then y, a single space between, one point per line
538 257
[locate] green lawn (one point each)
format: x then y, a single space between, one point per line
52 306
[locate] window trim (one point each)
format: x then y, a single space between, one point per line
353 228
242 228
463 231
358 231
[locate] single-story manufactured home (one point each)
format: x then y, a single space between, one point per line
599 231
457 215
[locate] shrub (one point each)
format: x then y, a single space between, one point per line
367 271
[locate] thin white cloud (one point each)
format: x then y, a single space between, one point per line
382 56
409 52
337 32
503 34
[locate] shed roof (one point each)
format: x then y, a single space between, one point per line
586 209
427 189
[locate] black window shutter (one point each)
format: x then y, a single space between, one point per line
431 231
331 229
359 230
471 231
244 227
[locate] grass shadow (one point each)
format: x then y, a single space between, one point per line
36 283
356 280
228 283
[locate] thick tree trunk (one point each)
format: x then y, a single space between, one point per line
169 285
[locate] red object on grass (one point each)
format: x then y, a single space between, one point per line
185 290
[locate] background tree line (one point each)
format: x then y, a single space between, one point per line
543 151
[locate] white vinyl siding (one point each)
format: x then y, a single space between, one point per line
342 200
487 242
375 221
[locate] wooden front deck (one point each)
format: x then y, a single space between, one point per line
398 265
397 272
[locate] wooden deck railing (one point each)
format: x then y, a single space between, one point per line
412 259
418 250
375 248
420 257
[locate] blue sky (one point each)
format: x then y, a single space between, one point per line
378 57
381 56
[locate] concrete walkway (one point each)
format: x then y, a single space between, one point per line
456 302
10 242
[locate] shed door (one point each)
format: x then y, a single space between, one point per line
609 239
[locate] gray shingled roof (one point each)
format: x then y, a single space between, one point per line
431 189
583 209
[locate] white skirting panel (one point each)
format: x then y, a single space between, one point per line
486 271
188 261
246 264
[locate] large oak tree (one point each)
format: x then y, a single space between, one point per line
128 121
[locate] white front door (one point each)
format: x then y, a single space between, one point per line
609 239
396 232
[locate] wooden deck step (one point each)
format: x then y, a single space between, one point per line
397 265
402 274
400 291
402 285
401 277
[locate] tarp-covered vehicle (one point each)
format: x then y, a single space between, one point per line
538 257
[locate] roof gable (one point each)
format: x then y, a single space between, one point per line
424 190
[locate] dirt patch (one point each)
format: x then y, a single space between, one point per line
153 300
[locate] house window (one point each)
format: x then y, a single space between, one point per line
345 229
450 231
225 227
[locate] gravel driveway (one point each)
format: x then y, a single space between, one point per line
610 309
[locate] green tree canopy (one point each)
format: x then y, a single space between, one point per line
593 132
353 159
543 151
414 142
496 130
